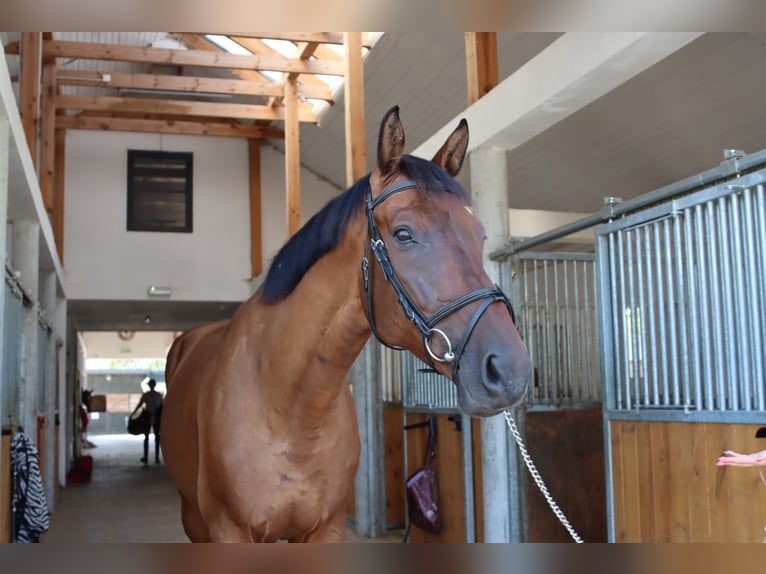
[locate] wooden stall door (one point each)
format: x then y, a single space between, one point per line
568 450
667 487
393 432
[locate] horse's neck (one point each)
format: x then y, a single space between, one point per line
311 339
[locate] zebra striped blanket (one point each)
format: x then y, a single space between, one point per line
30 508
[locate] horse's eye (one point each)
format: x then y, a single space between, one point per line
402 234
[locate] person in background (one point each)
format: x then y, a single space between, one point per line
731 458
85 419
151 400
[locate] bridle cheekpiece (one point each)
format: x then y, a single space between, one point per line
426 325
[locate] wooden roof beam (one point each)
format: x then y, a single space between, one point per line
199 42
193 84
202 58
318 37
31 82
181 127
304 83
481 63
179 107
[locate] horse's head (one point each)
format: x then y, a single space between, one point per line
424 283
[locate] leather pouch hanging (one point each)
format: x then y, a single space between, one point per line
423 491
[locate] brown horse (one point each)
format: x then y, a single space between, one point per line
259 428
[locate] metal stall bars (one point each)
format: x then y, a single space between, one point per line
553 294
681 309
683 316
648 311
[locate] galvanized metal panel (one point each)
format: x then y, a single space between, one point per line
556 317
687 327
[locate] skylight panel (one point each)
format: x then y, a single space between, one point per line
228 44
284 47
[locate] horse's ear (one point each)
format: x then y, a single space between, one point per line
390 142
451 155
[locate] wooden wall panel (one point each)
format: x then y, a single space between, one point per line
665 472
568 450
256 225
478 489
394 465
661 479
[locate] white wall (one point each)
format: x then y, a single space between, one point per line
140 344
530 222
315 193
104 261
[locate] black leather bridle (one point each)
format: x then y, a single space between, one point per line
426 325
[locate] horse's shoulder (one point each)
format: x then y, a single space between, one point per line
184 345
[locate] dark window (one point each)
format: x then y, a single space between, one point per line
159 191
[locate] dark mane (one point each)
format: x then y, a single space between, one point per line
324 231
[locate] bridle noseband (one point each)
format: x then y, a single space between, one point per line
426 325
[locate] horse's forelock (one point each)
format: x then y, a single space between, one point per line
432 177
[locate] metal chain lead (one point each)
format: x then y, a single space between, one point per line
538 479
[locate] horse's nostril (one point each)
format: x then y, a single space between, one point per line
490 373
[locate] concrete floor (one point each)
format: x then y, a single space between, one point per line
127 501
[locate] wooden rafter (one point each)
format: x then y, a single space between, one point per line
169 126
201 58
199 42
193 84
319 37
325 53
179 107
305 50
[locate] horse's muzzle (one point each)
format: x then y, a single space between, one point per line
491 384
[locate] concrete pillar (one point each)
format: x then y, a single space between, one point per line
369 504
26 248
489 191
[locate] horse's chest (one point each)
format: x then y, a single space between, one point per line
296 505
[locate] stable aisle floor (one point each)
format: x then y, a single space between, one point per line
127 501
124 502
